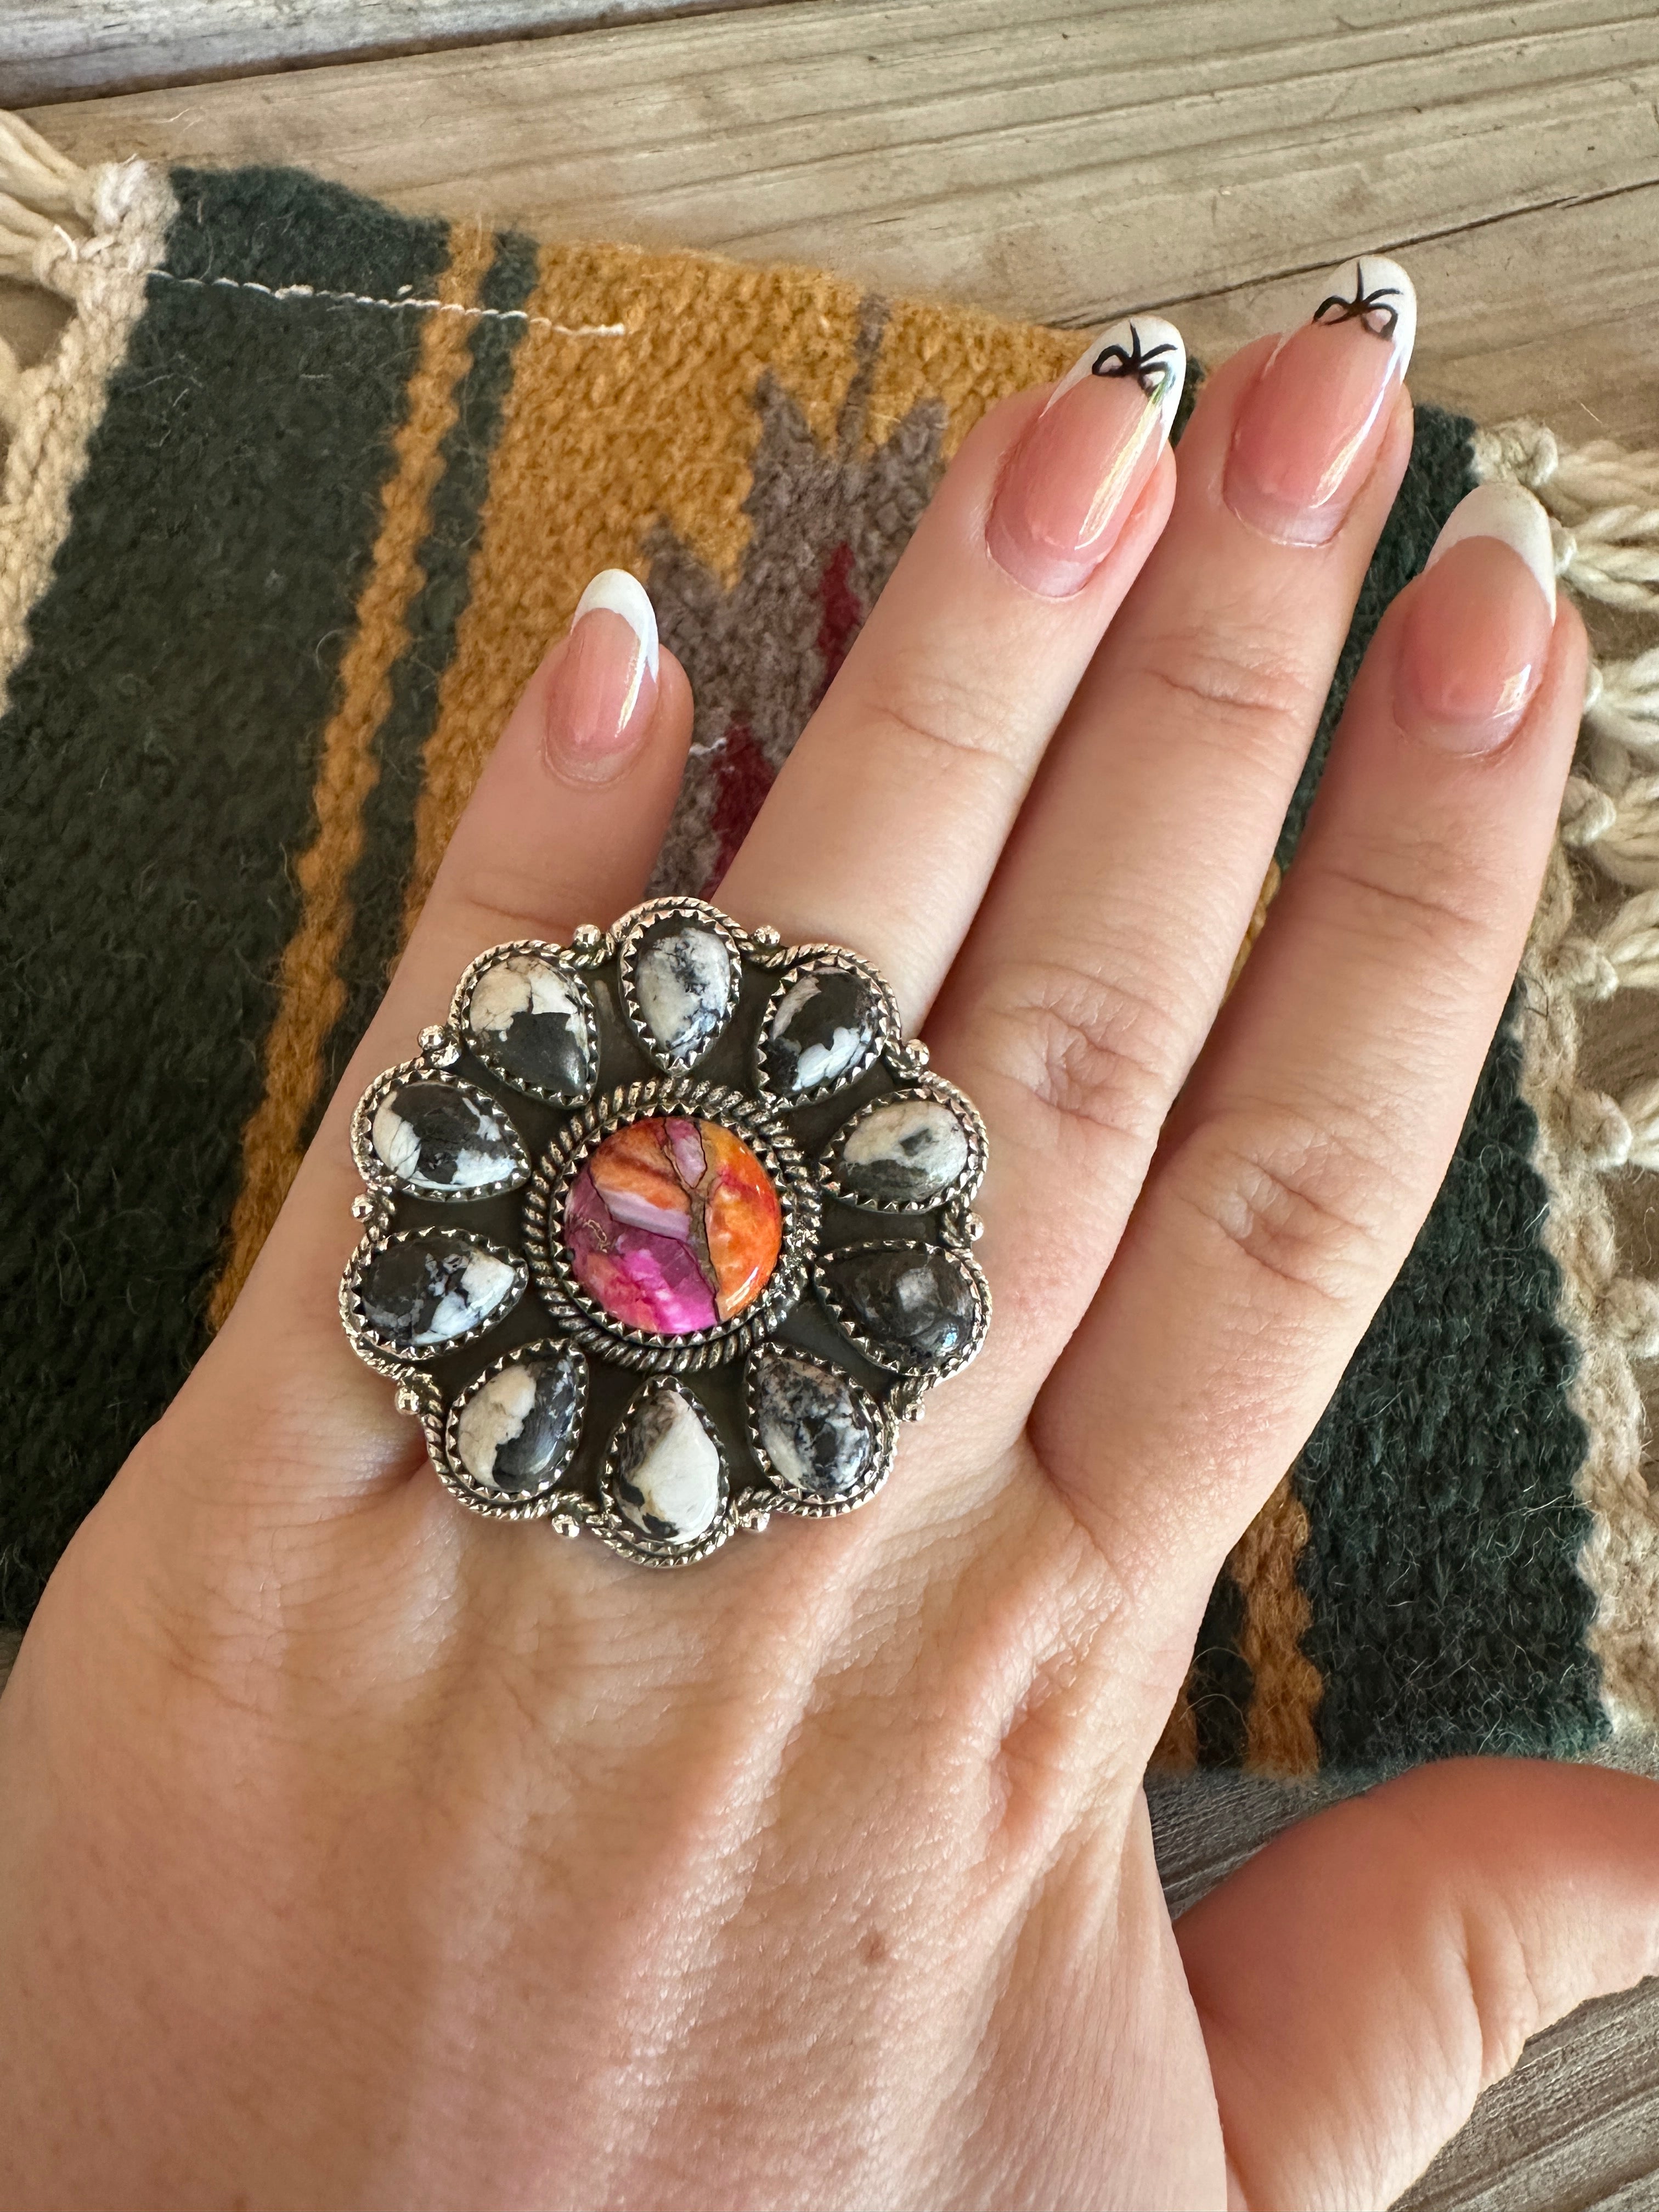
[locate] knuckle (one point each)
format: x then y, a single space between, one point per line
1303 1204
1252 688
940 717
1091 1052
1431 905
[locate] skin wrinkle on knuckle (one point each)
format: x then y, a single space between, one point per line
1288 1201
1422 900
1253 690
944 719
1091 1054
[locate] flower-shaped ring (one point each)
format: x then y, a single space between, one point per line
665 1232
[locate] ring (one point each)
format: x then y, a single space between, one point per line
715 1243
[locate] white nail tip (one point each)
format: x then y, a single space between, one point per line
1148 340
1384 284
1514 517
621 594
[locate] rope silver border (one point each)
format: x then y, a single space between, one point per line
586 1321
756 1113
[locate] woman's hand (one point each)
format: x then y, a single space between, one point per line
360 1852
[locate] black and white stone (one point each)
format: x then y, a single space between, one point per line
818 1434
424 1291
440 1141
822 1028
912 1308
533 1021
684 982
907 1152
663 1473
514 1431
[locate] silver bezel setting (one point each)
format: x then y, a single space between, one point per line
378 1175
958 1192
697 914
927 1370
612 1526
779 1494
443 1441
391 1358
589 1324
570 962
888 1031
548 1312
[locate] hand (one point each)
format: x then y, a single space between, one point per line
360 1852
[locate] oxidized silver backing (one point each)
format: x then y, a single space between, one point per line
632 1075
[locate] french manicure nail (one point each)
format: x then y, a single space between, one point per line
1308 430
1475 640
1078 471
604 689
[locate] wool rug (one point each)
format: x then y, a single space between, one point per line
288 518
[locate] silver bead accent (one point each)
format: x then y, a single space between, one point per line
766 936
440 1046
408 1399
586 936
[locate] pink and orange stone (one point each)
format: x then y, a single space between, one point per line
673 1226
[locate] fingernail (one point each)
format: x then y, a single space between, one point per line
1078 471
604 689
1476 639
1307 430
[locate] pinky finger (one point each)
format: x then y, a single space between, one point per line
1306 1151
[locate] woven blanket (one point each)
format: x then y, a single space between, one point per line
290 516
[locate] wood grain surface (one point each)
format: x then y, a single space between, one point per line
1065 160
55 49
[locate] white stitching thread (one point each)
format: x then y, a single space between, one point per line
393 306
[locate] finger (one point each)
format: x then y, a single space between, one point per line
1370 1973
885 823
563 827
1317 1129
1104 948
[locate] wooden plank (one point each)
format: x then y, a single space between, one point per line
1076 169
62 49
1090 158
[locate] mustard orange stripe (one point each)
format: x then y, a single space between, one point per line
310 989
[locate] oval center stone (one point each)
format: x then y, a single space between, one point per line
673 1226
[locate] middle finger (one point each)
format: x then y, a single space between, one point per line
1103 952
886 821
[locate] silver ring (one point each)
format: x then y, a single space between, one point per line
666 1230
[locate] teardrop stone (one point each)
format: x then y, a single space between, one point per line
906 1151
820 1030
666 1472
533 1019
918 1309
512 1432
684 984
421 1293
441 1143
814 1430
